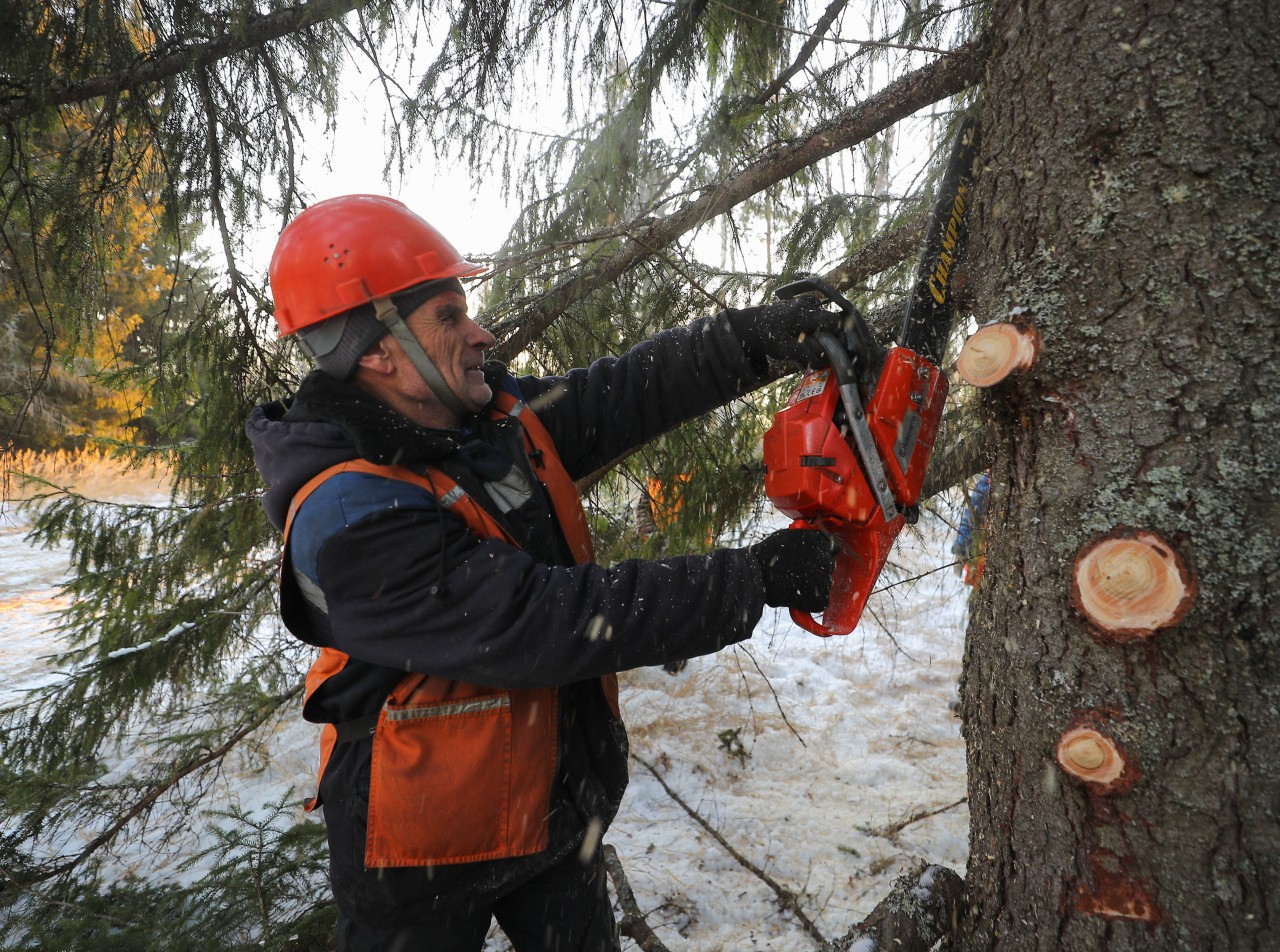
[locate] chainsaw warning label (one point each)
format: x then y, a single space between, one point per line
811 386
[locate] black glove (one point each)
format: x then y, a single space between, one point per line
784 330
797 566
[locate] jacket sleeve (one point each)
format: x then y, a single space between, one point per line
411 588
597 414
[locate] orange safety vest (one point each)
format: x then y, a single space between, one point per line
460 773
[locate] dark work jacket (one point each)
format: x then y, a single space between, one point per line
406 587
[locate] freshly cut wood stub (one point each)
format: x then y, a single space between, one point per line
1130 583
996 350
1095 759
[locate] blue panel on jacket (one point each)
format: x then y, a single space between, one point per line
344 500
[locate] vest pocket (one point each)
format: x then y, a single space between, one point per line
440 786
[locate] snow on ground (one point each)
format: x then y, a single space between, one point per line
29 599
804 754
841 739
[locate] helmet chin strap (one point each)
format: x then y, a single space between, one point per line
390 318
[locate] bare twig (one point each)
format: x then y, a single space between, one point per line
633 925
769 684
786 898
893 829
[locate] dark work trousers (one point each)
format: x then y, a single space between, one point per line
564 909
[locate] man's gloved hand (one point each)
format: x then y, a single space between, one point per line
797 566
784 330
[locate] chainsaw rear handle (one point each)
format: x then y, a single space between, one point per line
845 603
838 600
860 556
812 625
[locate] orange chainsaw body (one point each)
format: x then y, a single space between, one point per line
813 472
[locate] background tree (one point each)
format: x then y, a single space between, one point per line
76 351
780 106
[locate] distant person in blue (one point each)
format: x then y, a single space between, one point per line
969 546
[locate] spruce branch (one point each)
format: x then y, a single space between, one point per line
216 189
180 772
922 907
816 35
956 459
942 78
256 30
880 254
811 44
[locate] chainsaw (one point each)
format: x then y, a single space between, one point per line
848 452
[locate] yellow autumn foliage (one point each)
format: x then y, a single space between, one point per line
91 472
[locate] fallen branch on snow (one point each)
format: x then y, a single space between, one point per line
633 925
786 898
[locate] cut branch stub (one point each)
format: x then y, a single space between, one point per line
1130 583
998 349
1096 760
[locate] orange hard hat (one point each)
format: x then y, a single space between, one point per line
347 251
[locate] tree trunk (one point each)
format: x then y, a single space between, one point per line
1125 791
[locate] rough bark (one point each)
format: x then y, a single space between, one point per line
920 909
1129 200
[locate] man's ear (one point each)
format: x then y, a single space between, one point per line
377 359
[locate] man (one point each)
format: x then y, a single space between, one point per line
969 545
437 553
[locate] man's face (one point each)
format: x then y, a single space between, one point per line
456 345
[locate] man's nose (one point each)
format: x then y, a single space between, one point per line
480 337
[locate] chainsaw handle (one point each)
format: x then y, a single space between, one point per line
857 336
818 286
812 625
843 606
860 557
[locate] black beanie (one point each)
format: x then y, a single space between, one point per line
337 344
